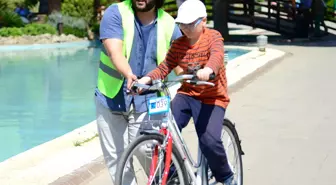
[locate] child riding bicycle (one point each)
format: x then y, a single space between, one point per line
200 51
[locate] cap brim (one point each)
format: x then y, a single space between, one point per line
184 20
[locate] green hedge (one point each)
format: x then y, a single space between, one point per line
31 29
107 2
330 15
10 19
95 28
67 30
78 8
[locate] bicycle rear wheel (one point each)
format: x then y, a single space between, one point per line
131 173
232 146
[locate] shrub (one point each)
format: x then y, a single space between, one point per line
30 3
31 29
75 31
8 4
95 28
330 14
38 29
78 8
7 32
69 21
3 5
71 25
107 2
10 19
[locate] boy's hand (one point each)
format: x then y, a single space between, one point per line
203 74
145 80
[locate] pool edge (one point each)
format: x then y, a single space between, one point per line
21 47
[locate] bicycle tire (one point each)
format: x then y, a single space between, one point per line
234 132
139 140
231 127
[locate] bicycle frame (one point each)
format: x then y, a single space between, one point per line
172 134
185 153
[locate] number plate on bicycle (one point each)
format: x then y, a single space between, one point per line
158 105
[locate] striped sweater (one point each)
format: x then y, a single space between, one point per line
207 52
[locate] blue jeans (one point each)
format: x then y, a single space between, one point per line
208 120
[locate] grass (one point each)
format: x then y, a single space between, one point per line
80 143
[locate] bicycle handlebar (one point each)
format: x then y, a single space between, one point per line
159 85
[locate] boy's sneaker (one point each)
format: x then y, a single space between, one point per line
230 181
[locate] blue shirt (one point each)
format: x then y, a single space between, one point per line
142 58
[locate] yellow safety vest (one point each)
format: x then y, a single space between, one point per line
109 79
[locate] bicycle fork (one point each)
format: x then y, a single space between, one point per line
169 149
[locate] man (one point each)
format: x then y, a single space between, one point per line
319 8
201 50
136 35
305 8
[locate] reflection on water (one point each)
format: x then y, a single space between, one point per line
45 94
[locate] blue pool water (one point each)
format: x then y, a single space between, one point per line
234 53
47 93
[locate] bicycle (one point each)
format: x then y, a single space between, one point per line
164 141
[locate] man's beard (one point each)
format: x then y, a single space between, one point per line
150 5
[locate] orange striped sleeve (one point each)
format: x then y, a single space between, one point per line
216 52
165 67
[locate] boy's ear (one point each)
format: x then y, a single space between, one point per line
204 20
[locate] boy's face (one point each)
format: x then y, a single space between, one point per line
194 29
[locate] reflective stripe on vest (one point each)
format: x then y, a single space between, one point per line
109 79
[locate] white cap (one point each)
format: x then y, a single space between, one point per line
190 11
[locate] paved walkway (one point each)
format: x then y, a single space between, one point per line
286 119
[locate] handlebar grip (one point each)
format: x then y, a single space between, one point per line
134 89
212 76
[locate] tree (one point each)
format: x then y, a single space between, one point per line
43 8
96 5
54 5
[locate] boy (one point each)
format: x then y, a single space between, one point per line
200 48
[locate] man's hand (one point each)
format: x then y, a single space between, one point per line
131 78
203 74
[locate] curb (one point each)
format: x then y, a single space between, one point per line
253 76
83 174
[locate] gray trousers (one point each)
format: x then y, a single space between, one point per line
116 130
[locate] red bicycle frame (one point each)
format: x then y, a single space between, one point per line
169 149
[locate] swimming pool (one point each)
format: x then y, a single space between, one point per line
47 93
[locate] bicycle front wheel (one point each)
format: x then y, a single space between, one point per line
136 163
